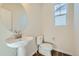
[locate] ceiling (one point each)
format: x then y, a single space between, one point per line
12 6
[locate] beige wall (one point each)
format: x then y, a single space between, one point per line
34 19
63 35
76 28
5 18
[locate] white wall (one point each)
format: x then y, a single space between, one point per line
5 18
76 28
63 35
34 19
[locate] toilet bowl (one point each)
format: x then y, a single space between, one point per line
45 49
46 46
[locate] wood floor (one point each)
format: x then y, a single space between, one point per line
53 53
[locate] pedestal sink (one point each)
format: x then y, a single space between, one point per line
16 43
19 43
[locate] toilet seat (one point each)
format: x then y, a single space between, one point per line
46 47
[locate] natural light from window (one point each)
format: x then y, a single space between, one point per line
60 14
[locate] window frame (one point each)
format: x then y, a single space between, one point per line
61 15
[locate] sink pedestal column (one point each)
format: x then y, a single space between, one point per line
21 51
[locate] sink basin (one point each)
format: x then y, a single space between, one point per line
16 43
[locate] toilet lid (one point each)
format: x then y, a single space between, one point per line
46 46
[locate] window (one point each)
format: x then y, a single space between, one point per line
60 14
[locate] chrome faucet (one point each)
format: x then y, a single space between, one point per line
18 34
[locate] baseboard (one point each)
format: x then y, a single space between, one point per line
53 53
63 52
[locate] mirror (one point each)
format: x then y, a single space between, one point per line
22 22
14 17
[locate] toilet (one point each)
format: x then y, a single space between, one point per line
44 48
